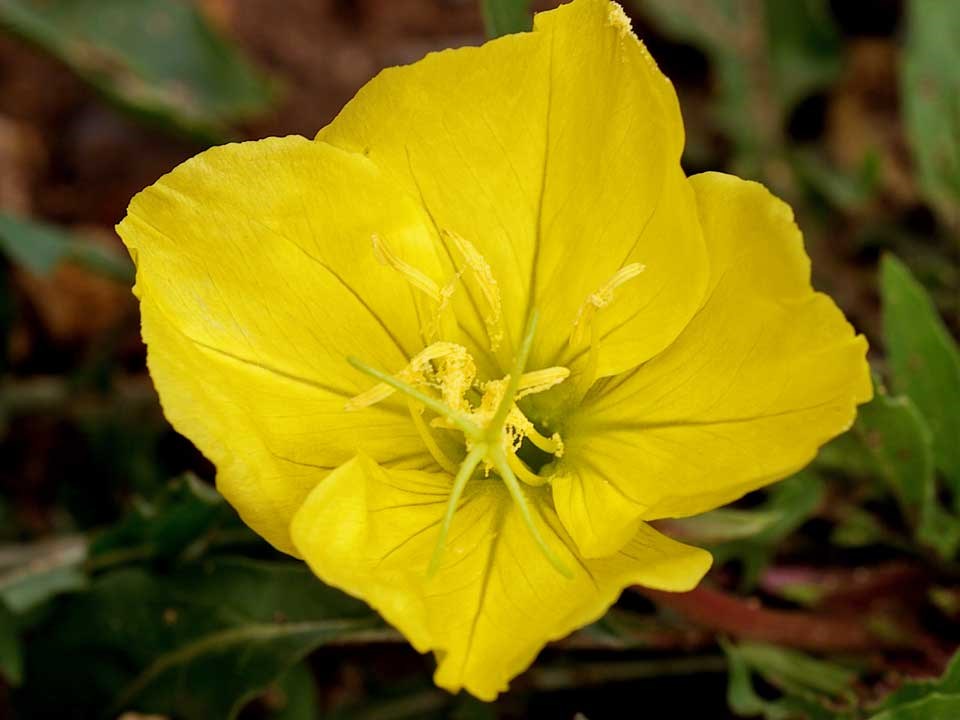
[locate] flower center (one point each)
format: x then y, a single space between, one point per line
442 379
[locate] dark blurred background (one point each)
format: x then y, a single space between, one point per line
849 110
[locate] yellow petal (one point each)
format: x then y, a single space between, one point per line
766 372
556 154
598 516
495 600
256 276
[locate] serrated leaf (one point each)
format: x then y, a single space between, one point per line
924 362
503 17
197 643
160 58
930 88
40 247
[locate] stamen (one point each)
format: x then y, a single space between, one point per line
600 299
488 286
459 483
513 485
537 381
508 399
416 414
414 369
523 472
457 418
552 444
415 277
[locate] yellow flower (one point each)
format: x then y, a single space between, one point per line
457 352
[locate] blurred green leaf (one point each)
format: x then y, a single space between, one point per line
804 47
932 707
930 88
911 691
294 695
6 323
183 514
725 525
11 660
766 57
807 683
897 437
160 58
791 502
924 362
40 247
32 574
857 527
199 642
502 17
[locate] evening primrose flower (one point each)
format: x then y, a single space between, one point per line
460 349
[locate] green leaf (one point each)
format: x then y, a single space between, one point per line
160 58
725 525
40 247
807 683
911 691
901 445
503 17
31 575
790 502
932 707
924 362
197 643
187 511
804 47
11 661
930 88
294 695
765 55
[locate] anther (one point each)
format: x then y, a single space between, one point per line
488 286
600 299
415 277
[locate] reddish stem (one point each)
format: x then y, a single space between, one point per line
746 618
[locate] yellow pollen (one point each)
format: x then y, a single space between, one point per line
537 381
480 269
386 256
600 299
442 378
416 372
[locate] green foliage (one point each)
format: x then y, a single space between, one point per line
39 573
767 56
159 58
927 699
789 504
197 642
502 17
188 515
924 363
930 88
40 247
808 684
11 660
